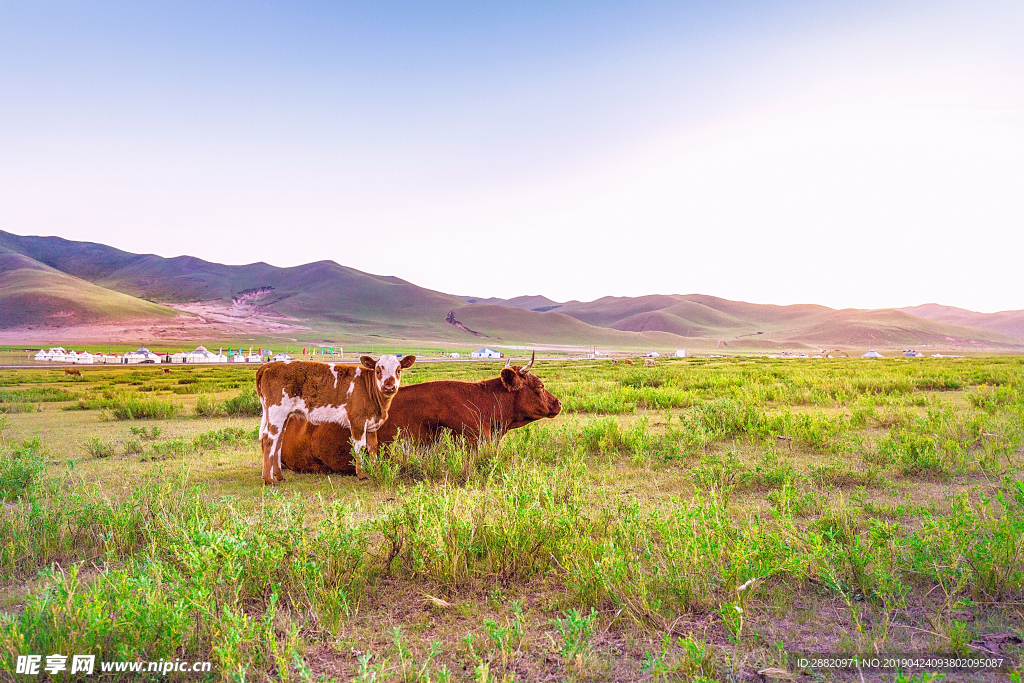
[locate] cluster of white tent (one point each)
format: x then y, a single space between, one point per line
58 354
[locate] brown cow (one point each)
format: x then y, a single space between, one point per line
72 371
167 371
478 410
628 362
346 395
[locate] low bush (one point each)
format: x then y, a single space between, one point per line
20 468
98 449
246 404
208 406
137 408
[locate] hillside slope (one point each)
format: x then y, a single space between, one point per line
1007 322
321 291
33 294
506 324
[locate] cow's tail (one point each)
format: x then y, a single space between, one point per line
259 380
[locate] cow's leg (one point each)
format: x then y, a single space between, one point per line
268 443
360 444
271 442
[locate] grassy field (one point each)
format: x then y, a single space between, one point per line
701 520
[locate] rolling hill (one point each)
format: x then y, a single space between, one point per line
1007 322
51 281
33 294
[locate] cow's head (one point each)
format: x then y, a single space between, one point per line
532 401
387 371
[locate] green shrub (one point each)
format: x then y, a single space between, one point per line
37 395
207 406
246 404
229 436
137 408
171 448
20 468
6 408
98 449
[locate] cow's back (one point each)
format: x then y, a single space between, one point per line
316 383
420 411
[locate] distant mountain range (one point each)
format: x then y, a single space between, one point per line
49 283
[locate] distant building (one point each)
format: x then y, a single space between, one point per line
486 353
254 357
455 355
872 354
680 353
282 356
653 354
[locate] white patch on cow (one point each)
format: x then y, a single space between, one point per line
373 424
351 388
359 371
336 414
276 415
334 371
388 365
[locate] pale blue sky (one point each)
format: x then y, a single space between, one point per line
859 154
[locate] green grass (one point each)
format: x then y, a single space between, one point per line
841 506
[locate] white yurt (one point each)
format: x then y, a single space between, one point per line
254 358
454 355
112 358
56 354
41 355
680 353
282 356
485 353
203 355
85 358
140 355
872 354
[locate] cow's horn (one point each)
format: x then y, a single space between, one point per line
508 363
526 368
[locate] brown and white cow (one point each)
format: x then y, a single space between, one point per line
649 362
477 410
354 397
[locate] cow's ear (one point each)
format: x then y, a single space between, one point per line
368 362
407 361
511 379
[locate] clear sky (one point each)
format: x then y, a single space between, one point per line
858 153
